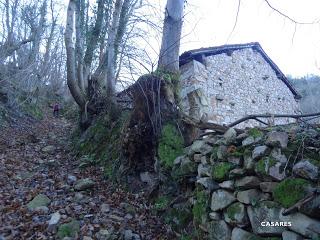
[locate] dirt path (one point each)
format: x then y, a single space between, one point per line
35 160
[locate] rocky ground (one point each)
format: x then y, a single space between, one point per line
44 195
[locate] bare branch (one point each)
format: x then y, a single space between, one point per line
236 21
290 18
272 116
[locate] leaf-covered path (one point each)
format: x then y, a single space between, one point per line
35 161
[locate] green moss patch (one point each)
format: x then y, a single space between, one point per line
233 209
221 170
170 145
101 143
172 81
199 210
290 191
256 133
263 165
214 154
161 203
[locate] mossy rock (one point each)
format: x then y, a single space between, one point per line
200 207
170 145
40 200
264 164
290 191
241 151
220 171
233 209
101 143
256 133
184 170
214 154
69 229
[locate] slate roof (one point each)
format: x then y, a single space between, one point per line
198 55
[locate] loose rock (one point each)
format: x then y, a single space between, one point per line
84 184
39 201
49 149
54 220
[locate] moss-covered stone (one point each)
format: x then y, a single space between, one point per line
200 207
290 191
233 209
256 133
263 165
40 200
214 154
241 151
170 145
101 143
184 170
220 171
70 229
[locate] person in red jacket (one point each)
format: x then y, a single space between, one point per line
56 109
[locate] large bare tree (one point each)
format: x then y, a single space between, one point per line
92 57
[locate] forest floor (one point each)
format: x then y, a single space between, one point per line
36 159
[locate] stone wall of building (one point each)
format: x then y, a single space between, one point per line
225 88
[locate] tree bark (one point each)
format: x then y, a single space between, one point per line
71 59
170 46
110 73
93 41
38 32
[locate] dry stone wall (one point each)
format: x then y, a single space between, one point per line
225 88
246 183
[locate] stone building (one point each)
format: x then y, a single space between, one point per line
222 84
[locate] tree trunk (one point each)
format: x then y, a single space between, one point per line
71 60
38 32
92 43
110 73
170 46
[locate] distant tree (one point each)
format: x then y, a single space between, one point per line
30 49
